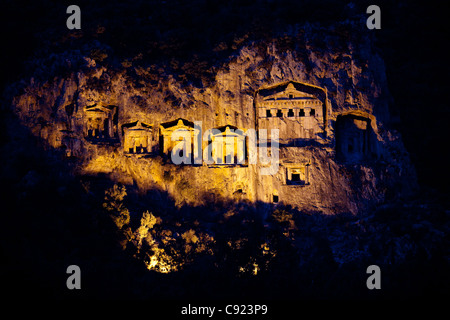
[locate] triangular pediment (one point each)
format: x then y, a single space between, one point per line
137 125
229 130
291 90
99 108
179 123
290 93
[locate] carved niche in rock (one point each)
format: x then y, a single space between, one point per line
101 123
228 145
297 174
177 136
137 138
355 138
296 109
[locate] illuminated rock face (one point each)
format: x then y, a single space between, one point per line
336 152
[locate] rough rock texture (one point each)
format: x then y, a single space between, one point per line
352 75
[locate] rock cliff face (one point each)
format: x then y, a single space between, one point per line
329 103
